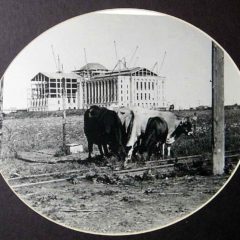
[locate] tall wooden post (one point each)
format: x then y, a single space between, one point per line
64 114
218 142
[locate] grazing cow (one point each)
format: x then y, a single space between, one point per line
103 127
135 120
155 135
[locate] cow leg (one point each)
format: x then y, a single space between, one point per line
136 148
105 148
90 149
163 150
129 156
169 151
100 150
150 151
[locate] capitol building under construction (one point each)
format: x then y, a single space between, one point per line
93 84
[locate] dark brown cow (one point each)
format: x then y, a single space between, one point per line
103 127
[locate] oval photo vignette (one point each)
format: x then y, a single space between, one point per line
125 115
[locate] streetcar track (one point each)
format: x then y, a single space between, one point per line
72 173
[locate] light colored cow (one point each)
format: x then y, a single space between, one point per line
135 120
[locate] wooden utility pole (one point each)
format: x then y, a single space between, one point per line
218 142
64 114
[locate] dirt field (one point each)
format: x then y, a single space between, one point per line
123 204
103 201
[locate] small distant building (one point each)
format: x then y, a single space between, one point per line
202 107
46 93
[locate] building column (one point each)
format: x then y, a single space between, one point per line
99 93
113 90
96 92
97 99
102 92
110 91
104 96
88 94
95 95
107 91
116 90
92 92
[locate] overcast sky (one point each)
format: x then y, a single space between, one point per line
187 65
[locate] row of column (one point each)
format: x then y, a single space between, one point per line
104 91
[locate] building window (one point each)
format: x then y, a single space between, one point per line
149 85
68 100
152 85
58 101
149 96
74 100
145 85
137 96
121 98
145 96
141 96
141 85
137 85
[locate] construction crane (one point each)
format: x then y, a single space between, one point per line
155 65
115 48
88 76
133 55
54 58
163 80
164 56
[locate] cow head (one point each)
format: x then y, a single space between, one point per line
119 151
94 111
184 127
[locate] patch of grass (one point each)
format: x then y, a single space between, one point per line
30 134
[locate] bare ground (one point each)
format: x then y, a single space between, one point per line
129 204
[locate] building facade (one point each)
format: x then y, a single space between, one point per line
93 84
55 91
127 87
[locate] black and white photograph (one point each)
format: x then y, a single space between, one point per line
120 122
